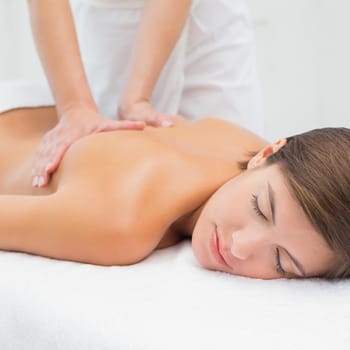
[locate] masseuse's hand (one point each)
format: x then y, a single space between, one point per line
143 111
73 125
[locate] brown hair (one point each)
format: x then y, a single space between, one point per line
316 165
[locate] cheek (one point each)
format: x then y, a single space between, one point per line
227 208
232 208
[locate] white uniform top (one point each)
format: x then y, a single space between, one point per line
117 3
211 71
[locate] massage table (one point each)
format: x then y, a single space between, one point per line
166 302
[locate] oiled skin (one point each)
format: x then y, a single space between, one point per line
116 196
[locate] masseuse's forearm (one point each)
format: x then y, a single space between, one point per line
160 27
56 41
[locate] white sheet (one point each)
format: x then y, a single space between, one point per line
167 302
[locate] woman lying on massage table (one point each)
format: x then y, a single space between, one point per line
118 196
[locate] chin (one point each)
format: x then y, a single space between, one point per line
199 251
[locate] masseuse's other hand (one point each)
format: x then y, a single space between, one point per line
143 111
73 125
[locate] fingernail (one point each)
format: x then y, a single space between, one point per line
166 123
35 181
48 166
41 181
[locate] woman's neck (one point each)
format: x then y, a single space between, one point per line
186 224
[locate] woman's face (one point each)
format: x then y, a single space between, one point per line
252 226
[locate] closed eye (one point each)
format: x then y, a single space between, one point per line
279 267
256 207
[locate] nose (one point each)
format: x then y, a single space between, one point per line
246 243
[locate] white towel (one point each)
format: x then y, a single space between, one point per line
167 302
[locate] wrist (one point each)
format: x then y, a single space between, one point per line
77 106
136 90
127 104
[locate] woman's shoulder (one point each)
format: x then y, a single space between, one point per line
225 126
227 137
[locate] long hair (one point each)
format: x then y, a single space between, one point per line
316 166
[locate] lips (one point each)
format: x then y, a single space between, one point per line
214 244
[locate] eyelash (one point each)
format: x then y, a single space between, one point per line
279 267
256 207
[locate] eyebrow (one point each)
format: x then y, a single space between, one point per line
296 263
271 195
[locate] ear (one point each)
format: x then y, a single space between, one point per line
260 157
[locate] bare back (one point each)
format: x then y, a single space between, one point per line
153 177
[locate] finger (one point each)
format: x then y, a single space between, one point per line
37 162
165 123
55 158
46 171
49 164
164 120
132 124
152 120
124 124
41 154
40 177
147 117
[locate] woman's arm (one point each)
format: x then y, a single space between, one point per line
160 28
67 225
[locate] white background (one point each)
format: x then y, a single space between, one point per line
303 59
